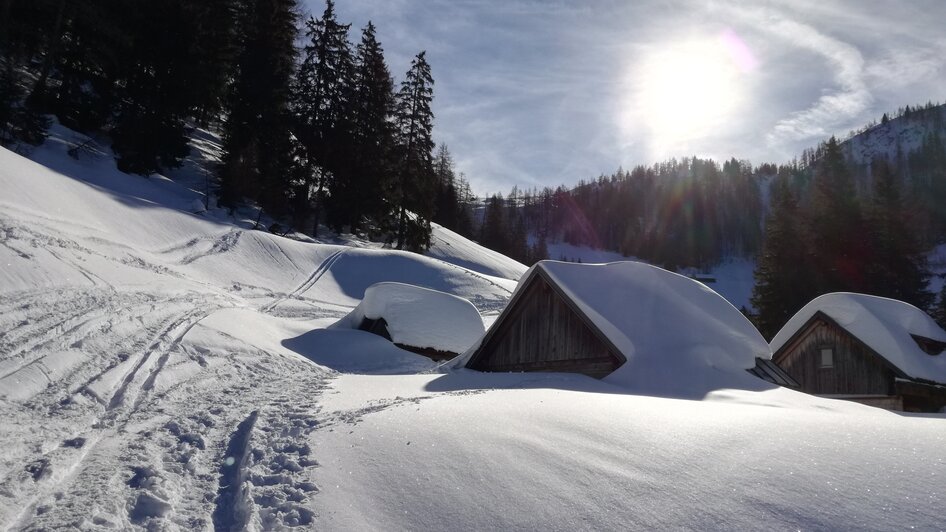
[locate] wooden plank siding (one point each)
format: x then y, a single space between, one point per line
857 370
542 332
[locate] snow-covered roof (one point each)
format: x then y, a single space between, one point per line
884 325
420 317
671 329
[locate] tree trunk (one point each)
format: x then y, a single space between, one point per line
401 226
315 209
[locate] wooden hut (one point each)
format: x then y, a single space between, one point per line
543 329
872 350
625 317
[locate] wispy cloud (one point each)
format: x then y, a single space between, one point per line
846 99
534 92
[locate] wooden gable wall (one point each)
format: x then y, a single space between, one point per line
857 369
542 332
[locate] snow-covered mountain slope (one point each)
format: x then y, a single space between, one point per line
141 345
899 135
455 249
168 371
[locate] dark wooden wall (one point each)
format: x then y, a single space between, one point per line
542 333
857 370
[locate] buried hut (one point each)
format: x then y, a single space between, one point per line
424 321
626 322
873 350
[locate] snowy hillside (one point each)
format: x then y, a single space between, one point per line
903 134
165 370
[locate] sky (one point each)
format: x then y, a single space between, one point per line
547 92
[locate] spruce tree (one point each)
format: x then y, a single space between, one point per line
783 280
414 194
372 111
897 267
258 160
321 106
835 225
159 93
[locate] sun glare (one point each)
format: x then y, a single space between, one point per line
688 90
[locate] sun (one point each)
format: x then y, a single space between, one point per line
686 91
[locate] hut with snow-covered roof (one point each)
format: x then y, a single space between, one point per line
421 320
626 322
868 349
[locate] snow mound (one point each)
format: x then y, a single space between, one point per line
675 332
419 317
450 247
885 325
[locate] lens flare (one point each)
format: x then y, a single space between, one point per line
688 90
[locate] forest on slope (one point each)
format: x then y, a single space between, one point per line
855 215
316 133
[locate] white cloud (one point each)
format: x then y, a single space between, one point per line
838 105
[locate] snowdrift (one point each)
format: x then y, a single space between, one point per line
419 317
885 325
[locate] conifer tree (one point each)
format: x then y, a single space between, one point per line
415 173
372 109
494 231
835 225
783 281
321 107
897 267
258 159
159 93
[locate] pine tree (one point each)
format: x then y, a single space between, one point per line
897 268
835 225
159 93
321 107
372 110
448 210
259 161
494 231
783 282
86 57
415 173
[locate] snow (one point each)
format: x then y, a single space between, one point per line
450 247
884 325
904 134
419 317
679 336
550 452
172 371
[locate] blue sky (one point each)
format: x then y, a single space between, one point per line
535 93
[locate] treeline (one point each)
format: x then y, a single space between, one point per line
824 233
822 223
312 134
689 212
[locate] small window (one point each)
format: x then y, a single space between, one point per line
827 357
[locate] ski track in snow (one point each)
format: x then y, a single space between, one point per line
125 403
106 474
124 443
306 285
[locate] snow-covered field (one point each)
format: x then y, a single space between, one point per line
165 370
